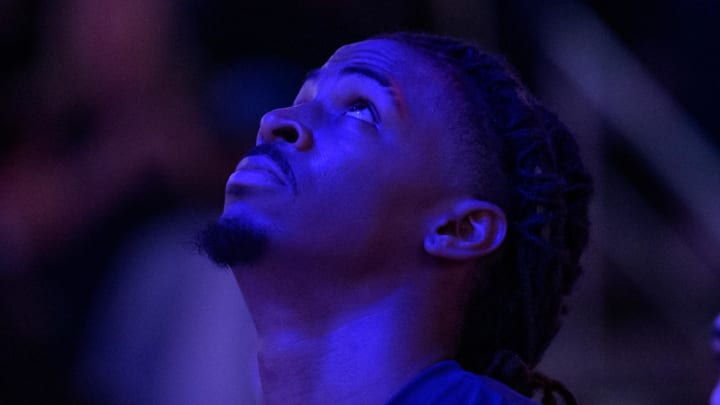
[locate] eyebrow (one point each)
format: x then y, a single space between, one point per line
312 75
369 73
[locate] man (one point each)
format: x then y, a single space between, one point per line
414 210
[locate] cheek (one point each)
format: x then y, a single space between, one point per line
355 175
348 199
350 161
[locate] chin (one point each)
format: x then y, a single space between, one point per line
230 242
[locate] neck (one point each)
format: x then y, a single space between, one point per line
347 347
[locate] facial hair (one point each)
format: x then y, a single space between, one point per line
232 242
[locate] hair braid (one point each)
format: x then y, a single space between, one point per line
517 310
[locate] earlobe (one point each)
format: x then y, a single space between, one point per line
471 230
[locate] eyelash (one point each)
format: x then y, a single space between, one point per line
363 103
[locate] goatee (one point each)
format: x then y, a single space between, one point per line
230 242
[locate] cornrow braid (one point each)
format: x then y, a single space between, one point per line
544 190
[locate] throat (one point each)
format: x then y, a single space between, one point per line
364 360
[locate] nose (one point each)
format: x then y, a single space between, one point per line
285 124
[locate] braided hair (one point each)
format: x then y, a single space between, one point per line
530 166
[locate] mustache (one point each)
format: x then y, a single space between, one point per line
273 152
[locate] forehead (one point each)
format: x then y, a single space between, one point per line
410 76
381 53
396 61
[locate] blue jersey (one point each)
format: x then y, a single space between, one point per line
448 384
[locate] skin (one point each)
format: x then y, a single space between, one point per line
372 250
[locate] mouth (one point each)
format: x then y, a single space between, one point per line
264 166
256 171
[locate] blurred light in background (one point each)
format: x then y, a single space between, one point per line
121 120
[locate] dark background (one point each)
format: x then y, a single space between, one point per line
118 115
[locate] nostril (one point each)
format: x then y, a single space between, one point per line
287 133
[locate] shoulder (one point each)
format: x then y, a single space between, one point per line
447 383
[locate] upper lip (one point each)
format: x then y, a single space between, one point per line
261 162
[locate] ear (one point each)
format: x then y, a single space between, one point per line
469 230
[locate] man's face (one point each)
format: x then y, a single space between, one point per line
353 171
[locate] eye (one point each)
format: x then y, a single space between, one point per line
363 109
